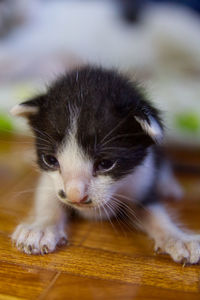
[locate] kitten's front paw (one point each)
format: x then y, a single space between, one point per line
34 239
184 249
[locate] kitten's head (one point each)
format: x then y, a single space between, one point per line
92 128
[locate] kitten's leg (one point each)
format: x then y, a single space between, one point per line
45 231
181 246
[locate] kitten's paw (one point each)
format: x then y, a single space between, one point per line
184 249
34 239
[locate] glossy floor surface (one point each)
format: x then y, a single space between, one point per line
100 262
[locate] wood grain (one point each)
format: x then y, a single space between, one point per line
19 282
100 262
78 287
148 270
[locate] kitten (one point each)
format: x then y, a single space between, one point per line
97 140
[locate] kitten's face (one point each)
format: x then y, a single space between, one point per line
92 129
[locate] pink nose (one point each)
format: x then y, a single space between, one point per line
76 195
76 191
84 199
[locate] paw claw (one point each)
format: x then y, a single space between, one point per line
45 250
29 249
21 247
63 241
34 239
183 249
158 250
184 261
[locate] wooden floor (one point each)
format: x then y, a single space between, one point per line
99 262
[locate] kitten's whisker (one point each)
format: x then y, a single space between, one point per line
128 219
50 139
108 217
109 204
117 148
112 130
32 190
121 136
131 199
43 140
99 208
43 149
123 219
15 142
45 143
129 209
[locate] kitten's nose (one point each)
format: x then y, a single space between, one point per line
74 195
76 192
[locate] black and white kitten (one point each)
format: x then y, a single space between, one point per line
96 140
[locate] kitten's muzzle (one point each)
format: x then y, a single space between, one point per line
84 200
76 193
62 194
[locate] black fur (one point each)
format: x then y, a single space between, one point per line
107 103
131 10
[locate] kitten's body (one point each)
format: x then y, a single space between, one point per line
96 141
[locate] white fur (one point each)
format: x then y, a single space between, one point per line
152 128
42 234
74 163
35 239
76 175
167 184
76 171
23 110
75 167
45 229
135 185
170 239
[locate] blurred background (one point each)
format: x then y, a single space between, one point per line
155 42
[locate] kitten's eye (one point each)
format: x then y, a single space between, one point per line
105 165
50 161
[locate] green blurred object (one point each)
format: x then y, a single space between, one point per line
188 121
6 124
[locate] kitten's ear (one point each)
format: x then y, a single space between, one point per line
28 108
150 122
